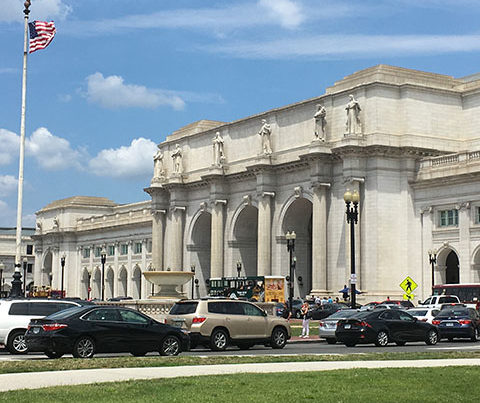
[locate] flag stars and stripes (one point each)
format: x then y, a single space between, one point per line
41 34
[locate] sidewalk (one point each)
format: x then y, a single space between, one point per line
35 380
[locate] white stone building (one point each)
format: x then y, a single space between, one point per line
223 193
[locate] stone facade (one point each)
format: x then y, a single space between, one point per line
227 193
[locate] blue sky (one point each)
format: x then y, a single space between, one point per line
120 75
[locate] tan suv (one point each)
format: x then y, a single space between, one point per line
219 323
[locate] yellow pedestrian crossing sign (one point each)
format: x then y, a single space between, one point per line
408 297
408 285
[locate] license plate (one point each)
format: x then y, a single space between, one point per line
449 324
36 330
348 326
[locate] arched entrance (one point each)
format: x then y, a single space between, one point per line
452 272
245 233
97 284
298 218
85 283
47 274
137 283
109 281
122 282
200 248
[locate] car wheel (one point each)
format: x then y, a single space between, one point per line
138 353
219 340
382 339
52 354
16 343
170 345
432 337
84 347
350 344
331 340
476 335
400 343
279 338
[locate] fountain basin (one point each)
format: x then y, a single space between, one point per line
168 281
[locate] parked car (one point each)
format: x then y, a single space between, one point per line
424 314
389 306
319 312
384 326
406 304
370 306
15 316
220 323
327 326
458 321
436 301
85 331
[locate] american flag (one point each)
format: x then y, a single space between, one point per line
41 34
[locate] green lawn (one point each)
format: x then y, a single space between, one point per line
458 384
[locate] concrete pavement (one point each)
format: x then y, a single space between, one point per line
34 380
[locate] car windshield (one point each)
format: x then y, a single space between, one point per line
184 308
343 314
65 313
418 312
453 312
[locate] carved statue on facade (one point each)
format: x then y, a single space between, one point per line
218 150
353 124
177 160
320 122
265 132
158 169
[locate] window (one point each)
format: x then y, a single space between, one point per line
133 317
477 217
111 250
98 251
184 308
405 316
149 247
29 249
123 249
102 315
138 247
252 310
29 267
19 309
448 218
86 253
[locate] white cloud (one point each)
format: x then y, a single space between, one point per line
52 152
111 92
10 144
287 12
136 160
12 10
8 184
352 46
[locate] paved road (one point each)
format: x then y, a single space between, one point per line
314 346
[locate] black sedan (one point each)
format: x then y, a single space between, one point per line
84 331
458 321
322 311
384 326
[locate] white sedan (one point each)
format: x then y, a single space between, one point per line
424 314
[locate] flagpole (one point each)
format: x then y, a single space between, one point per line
17 283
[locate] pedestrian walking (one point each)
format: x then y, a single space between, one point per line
304 310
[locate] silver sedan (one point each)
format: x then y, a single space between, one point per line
327 326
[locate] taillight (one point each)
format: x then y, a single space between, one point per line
53 326
436 322
321 323
364 324
199 319
464 321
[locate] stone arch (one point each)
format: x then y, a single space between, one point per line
298 217
137 282
96 283
85 284
200 248
475 264
122 282
448 266
245 239
109 283
47 273
284 209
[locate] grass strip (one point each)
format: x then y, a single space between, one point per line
61 364
355 385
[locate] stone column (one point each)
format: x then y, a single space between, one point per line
319 238
38 269
158 230
264 262
466 274
175 252
56 271
216 248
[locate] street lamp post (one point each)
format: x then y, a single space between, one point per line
291 236
239 268
432 256
25 262
2 266
103 258
352 219
62 262
192 268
